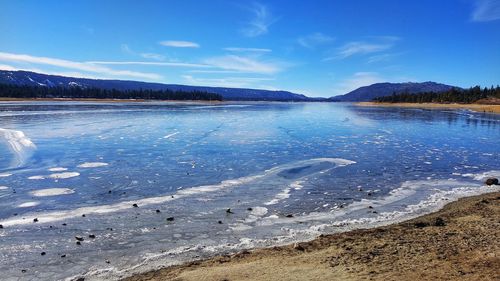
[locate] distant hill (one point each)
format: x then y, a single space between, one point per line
368 93
26 78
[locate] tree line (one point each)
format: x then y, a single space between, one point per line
24 91
454 95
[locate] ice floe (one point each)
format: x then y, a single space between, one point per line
51 192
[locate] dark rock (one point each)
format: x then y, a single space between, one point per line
220 222
78 243
249 209
78 238
109 191
64 224
170 219
92 236
370 207
83 215
35 220
289 216
421 224
135 205
491 181
23 270
369 194
107 261
42 253
63 256
1 226
439 222
229 211
80 279
158 211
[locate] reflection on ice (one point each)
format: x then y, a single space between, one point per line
118 171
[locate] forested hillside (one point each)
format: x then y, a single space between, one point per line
454 95
22 91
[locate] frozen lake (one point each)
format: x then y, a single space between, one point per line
161 183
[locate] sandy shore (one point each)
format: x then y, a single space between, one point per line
491 108
459 242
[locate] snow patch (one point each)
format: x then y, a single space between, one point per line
51 192
92 165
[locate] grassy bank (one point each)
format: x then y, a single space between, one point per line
490 108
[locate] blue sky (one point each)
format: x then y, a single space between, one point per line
318 48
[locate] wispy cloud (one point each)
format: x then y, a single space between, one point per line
247 50
378 44
153 56
126 49
259 24
383 57
244 64
80 66
8 67
486 10
151 63
312 40
215 71
179 44
237 82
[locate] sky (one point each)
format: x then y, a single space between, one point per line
317 48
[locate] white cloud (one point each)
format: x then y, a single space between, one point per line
213 71
315 39
151 63
153 56
382 57
234 82
262 19
247 50
244 64
179 44
486 10
7 67
354 48
80 66
382 43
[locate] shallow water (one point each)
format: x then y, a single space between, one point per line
286 171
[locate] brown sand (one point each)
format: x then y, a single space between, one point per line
460 242
490 108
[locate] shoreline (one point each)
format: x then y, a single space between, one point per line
485 108
105 100
460 241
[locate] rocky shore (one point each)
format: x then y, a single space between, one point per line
459 242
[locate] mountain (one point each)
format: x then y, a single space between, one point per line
27 78
368 93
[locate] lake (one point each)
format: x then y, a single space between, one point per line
151 184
